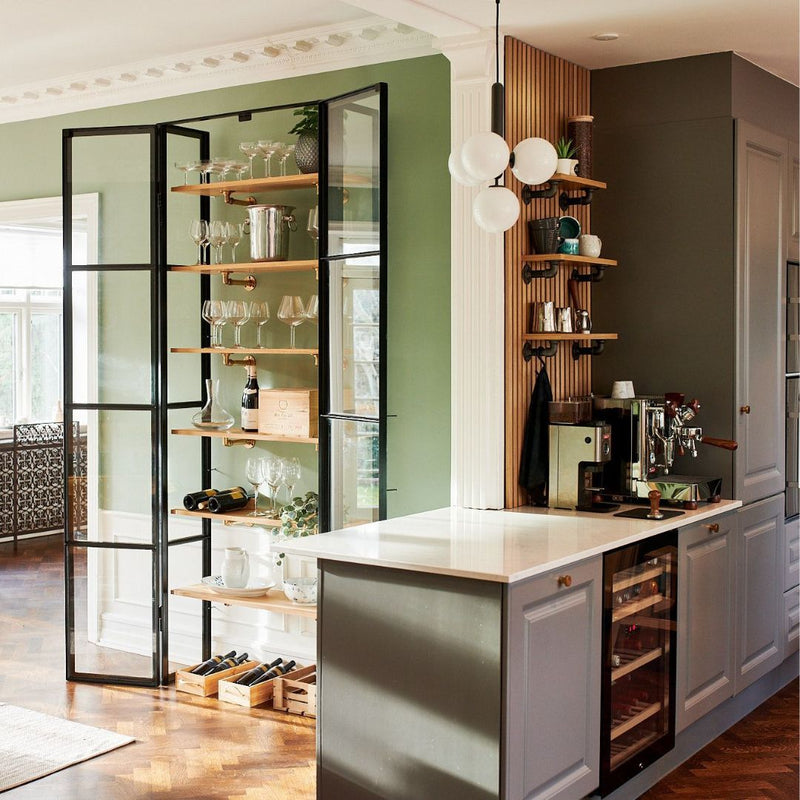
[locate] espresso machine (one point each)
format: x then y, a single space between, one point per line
648 433
577 456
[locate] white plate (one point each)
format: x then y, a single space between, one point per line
253 589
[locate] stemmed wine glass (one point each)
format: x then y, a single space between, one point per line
267 149
290 475
214 313
233 235
259 312
313 223
255 474
284 151
198 230
272 476
238 313
292 313
312 309
216 237
251 150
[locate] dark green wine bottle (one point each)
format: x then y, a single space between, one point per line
228 663
252 674
201 669
229 500
275 672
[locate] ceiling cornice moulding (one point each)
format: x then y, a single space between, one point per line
370 40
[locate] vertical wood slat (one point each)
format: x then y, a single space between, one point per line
542 91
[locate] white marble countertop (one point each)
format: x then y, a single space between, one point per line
501 546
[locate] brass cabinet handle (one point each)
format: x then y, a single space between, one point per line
745 409
565 580
713 527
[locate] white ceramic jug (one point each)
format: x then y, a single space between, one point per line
236 568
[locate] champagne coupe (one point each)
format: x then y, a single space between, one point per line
312 309
313 223
290 475
238 314
216 238
259 311
267 148
284 151
292 313
255 474
198 230
272 476
233 235
251 150
184 167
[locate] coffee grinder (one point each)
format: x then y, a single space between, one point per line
577 456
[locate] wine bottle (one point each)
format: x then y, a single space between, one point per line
211 662
275 672
250 400
197 501
229 500
252 674
227 663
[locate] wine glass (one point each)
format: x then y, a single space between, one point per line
312 309
259 311
255 474
238 314
198 230
272 476
251 150
233 235
184 167
267 148
292 313
290 475
222 320
216 238
313 223
284 151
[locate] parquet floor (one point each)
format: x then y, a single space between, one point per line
188 748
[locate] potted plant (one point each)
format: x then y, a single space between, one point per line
299 517
565 150
307 128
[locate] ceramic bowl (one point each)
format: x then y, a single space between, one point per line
301 590
569 228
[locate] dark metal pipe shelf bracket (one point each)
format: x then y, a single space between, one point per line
566 200
595 276
593 350
529 351
528 274
529 194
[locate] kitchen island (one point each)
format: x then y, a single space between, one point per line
459 651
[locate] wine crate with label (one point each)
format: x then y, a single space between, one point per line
288 412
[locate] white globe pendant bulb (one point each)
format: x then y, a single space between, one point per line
456 167
495 209
534 161
485 155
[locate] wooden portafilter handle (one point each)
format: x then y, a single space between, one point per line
654 497
725 444
572 285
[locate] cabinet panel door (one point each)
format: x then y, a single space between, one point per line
791 621
553 685
791 554
758 584
793 203
761 168
705 618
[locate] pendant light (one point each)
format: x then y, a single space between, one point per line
485 156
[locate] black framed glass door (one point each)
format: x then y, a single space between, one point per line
353 282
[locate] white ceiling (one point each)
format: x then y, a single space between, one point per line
45 42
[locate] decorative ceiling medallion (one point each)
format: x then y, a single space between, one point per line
370 40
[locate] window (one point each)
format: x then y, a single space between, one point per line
31 268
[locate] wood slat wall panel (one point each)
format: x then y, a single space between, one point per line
542 91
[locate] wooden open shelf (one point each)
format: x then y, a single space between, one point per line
309 265
567 258
237 434
555 336
279 182
275 601
569 182
240 517
247 351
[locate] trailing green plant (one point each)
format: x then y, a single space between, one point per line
299 517
565 148
308 124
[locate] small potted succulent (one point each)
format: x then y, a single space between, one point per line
307 128
565 150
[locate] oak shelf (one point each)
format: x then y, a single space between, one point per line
237 434
567 258
277 183
309 265
576 182
274 601
551 336
240 517
254 351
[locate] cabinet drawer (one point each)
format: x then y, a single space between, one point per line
792 555
791 621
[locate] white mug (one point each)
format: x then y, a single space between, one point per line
589 245
236 568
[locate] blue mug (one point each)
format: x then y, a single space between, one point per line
569 247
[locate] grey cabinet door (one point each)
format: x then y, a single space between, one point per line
791 621
791 554
793 203
759 599
552 700
705 617
761 229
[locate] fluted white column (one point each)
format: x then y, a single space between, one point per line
477 297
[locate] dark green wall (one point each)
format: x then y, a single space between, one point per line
419 236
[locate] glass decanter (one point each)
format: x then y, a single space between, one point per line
212 416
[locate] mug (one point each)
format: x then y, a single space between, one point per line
589 245
569 246
543 235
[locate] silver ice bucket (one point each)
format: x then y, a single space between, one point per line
269 231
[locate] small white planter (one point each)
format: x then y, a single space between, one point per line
566 166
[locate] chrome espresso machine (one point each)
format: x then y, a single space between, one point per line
647 433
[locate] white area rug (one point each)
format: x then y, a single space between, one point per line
33 745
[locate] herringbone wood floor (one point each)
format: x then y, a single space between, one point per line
187 748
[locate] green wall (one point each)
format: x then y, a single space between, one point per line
418 252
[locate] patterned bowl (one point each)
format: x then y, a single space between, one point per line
301 590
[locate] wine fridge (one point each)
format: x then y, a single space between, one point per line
638 689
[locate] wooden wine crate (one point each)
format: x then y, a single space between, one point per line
288 412
296 695
206 685
249 696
